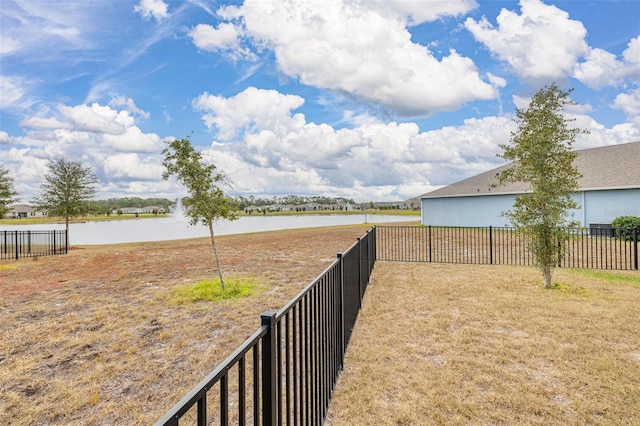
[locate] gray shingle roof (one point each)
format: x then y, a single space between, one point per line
607 167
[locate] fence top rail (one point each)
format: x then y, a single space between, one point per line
495 228
39 231
198 391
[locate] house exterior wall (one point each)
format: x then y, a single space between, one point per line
604 206
481 210
485 210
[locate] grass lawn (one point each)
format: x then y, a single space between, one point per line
461 344
97 337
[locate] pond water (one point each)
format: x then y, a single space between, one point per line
178 227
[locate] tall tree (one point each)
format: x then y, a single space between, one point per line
206 202
66 189
540 150
8 194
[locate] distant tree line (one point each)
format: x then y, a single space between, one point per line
111 204
242 202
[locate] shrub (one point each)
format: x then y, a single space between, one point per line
624 226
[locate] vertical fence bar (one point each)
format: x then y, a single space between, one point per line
224 402
242 403
287 369
269 344
269 389
279 370
635 249
294 343
430 244
490 245
256 385
313 354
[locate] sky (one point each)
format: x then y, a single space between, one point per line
365 99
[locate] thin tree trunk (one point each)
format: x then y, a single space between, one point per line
546 273
215 253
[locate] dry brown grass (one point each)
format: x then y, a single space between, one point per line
92 337
462 344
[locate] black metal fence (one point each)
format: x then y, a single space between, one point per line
285 373
503 246
18 244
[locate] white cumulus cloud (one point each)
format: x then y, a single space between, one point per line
354 47
415 12
251 108
602 68
131 167
226 39
540 44
96 118
105 138
629 103
156 9
129 104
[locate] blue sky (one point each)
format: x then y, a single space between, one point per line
370 100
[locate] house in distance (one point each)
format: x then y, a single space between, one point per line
609 188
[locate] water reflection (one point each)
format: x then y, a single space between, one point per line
171 228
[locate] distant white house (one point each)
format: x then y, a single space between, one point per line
19 211
139 210
609 187
153 209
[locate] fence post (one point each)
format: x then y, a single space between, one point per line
635 245
341 310
359 273
490 245
17 253
269 345
429 243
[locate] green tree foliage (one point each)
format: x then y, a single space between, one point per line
296 200
540 150
66 189
8 194
624 226
110 204
206 202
